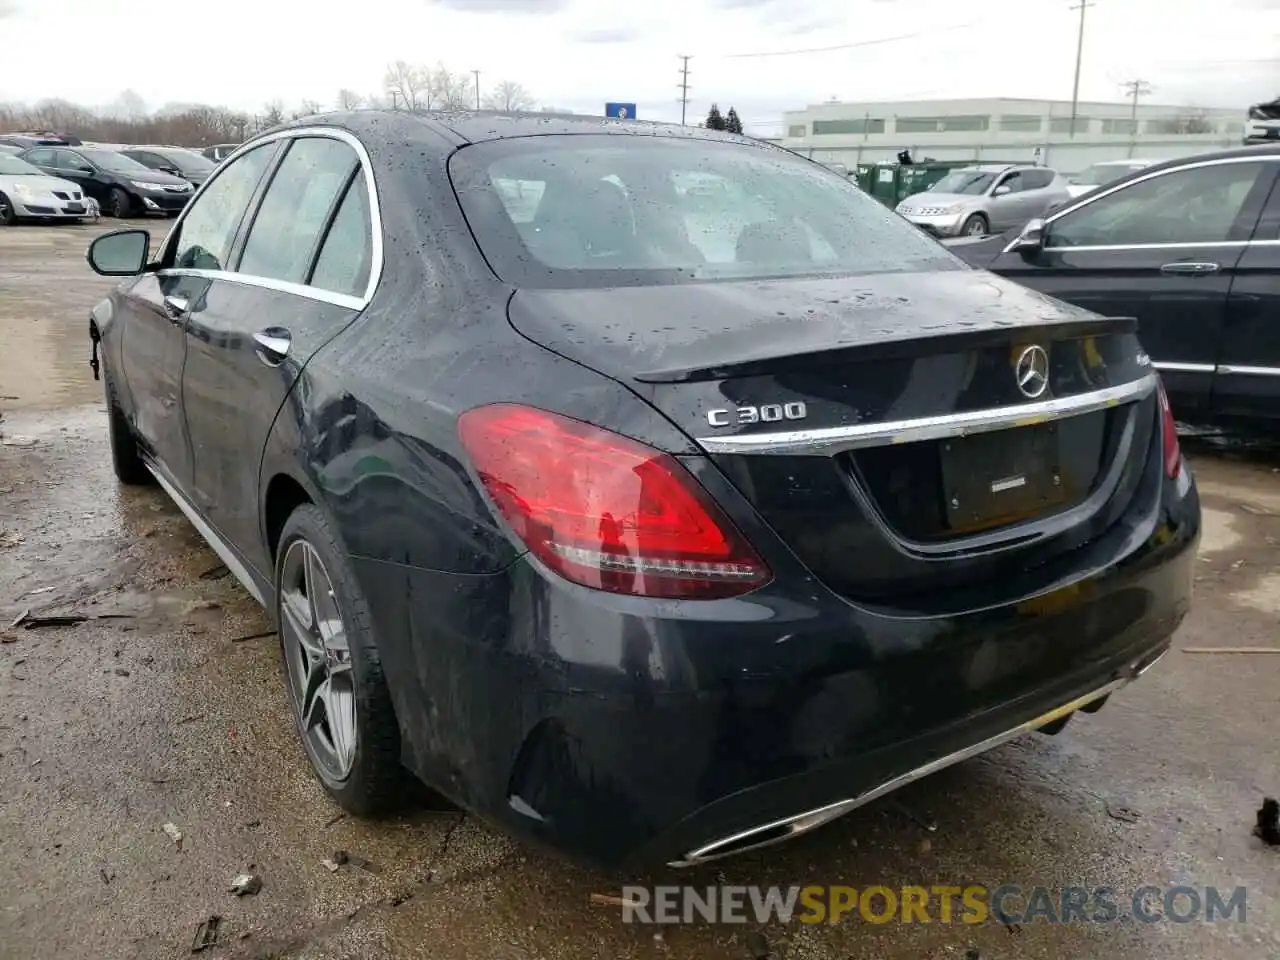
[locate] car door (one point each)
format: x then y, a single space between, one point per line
42 157
1038 194
1006 207
157 307
1247 382
287 296
69 165
1162 248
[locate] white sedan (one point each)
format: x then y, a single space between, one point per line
27 192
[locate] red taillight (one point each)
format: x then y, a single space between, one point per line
1172 452
606 511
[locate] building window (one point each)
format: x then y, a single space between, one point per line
861 125
797 130
959 124
1020 123
1127 127
1063 125
965 124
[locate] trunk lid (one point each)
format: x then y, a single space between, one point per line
884 427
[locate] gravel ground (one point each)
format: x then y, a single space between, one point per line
159 711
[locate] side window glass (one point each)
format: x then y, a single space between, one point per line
296 208
66 160
347 255
1036 179
1013 181
1196 205
43 158
206 233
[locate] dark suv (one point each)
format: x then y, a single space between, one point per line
122 187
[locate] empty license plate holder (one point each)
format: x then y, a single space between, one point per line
1001 477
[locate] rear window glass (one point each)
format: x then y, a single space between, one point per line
575 211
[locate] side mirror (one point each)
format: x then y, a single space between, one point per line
1031 239
84 169
120 253
1001 190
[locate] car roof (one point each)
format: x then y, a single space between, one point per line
478 126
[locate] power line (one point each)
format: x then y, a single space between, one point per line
1075 87
859 43
684 87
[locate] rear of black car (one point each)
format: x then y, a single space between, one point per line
920 509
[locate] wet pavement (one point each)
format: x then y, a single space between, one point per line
157 711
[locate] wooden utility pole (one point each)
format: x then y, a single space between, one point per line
1075 88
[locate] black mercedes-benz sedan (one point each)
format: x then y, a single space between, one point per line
1191 249
651 492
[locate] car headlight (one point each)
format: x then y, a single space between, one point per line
146 185
24 191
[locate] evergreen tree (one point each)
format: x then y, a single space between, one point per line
714 120
732 122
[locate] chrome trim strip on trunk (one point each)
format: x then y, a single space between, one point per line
827 441
778 831
1175 366
1249 371
211 537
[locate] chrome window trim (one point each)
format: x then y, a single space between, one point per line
283 286
1220 161
827 441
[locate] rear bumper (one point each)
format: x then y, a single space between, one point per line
630 732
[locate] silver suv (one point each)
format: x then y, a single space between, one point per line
986 198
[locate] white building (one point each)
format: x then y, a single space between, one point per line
1007 129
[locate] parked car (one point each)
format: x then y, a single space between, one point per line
26 141
10 149
1191 248
219 152
122 187
654 536
26 192
979 200
1102 173
176 161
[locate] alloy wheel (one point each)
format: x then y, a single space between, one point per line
318 659
6 211
976 228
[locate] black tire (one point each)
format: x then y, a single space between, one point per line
975 226
7 216
125 459
121 203
376 783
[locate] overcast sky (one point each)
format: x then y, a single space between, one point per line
575 54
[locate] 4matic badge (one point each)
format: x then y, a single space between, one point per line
765 413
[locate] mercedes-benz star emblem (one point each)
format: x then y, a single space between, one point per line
1032 371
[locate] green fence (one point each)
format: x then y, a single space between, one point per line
891 183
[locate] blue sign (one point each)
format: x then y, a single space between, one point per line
620 111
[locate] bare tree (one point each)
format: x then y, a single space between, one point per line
508 96
308 108
192 125
410 84
272 114
127 106
349 99
452 91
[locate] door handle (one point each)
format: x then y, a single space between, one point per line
1188 266
272 345
176 307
